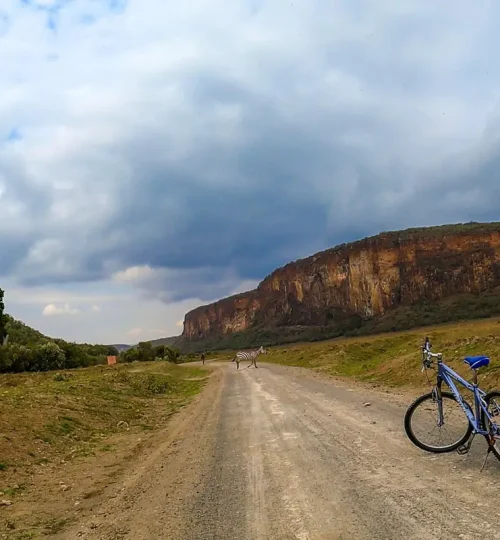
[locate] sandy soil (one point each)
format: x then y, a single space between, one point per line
276 453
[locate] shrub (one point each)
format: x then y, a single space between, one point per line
48 356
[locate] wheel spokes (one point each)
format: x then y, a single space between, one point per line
425 423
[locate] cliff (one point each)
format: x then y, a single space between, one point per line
346 286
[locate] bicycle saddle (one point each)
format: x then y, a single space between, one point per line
476 362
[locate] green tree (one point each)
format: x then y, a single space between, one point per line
172 355
146 351
2 317
130 355
159 351
48 356
30 350
15 358
74 355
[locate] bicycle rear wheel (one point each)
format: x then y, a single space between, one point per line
421 423
492 400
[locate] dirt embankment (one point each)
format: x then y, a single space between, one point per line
66 437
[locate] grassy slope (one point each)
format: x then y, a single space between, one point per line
395 358
49 417
22 334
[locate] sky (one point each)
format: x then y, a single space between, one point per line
156 156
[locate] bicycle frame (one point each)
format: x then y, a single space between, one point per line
448 376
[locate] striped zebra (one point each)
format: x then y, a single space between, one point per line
248 355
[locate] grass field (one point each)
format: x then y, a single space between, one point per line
49 419
394 358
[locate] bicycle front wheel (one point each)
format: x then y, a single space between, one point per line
422 423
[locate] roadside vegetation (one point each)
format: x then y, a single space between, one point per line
395 358
145 351
50 420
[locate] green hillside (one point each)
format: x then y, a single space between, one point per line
23 334
29 350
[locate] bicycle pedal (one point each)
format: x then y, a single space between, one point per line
462 450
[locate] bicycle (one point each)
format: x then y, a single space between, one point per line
483 420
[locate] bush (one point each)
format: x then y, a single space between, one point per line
61 377
15 358
156 386
145 352
172 355
47 356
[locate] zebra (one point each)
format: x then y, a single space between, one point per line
250 355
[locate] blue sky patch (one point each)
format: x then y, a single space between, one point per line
14 135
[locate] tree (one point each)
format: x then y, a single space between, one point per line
159 351
15 358
146 351
172 355
130 355
3 333
30 350
48 356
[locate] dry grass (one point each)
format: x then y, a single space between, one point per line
52 418
394 359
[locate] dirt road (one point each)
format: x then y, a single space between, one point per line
271 453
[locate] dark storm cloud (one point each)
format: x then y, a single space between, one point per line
23 205
217 160
263 210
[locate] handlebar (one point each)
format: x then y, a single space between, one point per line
430 354
427 355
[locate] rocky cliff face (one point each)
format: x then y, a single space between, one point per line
360 281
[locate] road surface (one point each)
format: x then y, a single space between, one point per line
272 453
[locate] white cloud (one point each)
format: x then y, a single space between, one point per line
93 293
171 284
135 333
51 309
121 308
134 274
146 334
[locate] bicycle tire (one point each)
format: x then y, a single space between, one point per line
434 449
484 418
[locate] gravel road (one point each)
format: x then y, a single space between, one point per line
275 453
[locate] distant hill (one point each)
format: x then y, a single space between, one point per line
122 347
168 341
173 341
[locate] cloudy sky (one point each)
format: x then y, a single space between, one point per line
158 155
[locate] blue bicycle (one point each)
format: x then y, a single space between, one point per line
440 416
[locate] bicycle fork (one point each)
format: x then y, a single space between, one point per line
465 448
436 395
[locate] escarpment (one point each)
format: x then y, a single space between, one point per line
361 281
